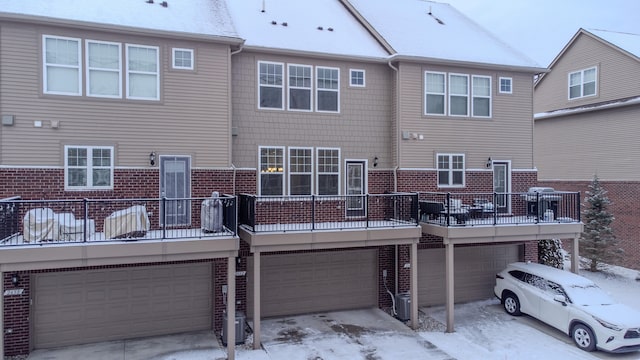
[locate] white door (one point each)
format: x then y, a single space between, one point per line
502 185
356 185
175 183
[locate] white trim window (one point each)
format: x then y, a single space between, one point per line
481 96
62 65
458 95
451 170
271 171
328 89
143 76
300 83
583 83
356 78
182 59
104 77
506 85
270 88
435 93
328 171
88 167
300 171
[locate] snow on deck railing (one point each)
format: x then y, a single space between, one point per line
41 222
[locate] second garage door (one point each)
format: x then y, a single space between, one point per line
88 306
314 282
475 272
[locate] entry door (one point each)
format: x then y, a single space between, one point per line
356 185
175 183
502 185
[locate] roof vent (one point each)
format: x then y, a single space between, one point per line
273 22
435 17
149 1
285 24
320 28
164 4
330 29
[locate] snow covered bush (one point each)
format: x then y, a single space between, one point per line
550 253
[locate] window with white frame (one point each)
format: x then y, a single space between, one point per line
356 78
182 59
300 171
271 171
582 83
88 167
300 87
435 88
458 95
328 165
62 65
481 96
328 89
451 170
103 69
506 84
271 90
143 77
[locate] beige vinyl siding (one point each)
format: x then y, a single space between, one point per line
618 75
191 118
578 146
362 129
507 135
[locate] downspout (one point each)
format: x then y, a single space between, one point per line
395 181
232 165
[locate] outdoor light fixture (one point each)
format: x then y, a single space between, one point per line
489 162
375 161
152 158
15 279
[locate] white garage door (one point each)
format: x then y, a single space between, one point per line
475 269
315 282
98 305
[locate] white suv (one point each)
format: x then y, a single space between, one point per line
570 303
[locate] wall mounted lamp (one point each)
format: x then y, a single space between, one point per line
375 161
489 163
152 158
15 279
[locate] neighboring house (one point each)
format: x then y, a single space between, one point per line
586 112
360 157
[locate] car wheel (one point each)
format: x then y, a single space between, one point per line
511 304
583 337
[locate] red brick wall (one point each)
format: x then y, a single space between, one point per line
625 207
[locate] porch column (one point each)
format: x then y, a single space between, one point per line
415 322
256 300
231 307
2 315
449 283
575 256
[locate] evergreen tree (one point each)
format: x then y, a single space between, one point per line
598 243
550 253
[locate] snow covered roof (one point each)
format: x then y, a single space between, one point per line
194 17
587 108
625 41
318 26
426 29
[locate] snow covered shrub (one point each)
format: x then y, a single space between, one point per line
550 253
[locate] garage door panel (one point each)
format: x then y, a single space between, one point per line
99 305
474 273
313 282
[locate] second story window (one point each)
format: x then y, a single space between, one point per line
182 59
582 83
506 84
435 93
62 66
328 171
271 90
356 78
271 171
103 69
328 89
88 167
143 78
300 87
481 93
451 170
458 95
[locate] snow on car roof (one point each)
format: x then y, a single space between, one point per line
562 277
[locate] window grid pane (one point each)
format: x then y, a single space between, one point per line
300 87
451 170
87 172
270 76
328 84
142 72
62 66
104 69
328 171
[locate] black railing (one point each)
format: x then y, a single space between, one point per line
42 222
327 212
474 209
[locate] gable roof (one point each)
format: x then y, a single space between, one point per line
624 41
199 18
318 26
436 31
